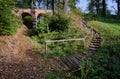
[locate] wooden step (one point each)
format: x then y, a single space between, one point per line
96 39
93 46
66 63
74 64
92 49
63 65
76 61
71 62
95 42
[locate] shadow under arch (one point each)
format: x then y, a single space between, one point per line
27 20
40 17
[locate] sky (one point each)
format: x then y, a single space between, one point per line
83 5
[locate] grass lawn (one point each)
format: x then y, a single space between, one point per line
106 63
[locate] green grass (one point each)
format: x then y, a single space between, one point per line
105 64
110 33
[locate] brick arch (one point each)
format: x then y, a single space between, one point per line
26 22
21 13
25 14
40 14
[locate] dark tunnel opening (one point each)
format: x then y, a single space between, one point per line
27 20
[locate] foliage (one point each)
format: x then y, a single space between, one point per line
105 64
59 23
45 31
23 4
77 12
72 4
65 48
8 22
56 74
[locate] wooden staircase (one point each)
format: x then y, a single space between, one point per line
72 63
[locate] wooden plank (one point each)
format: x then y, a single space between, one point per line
63 65
75 60
71 61
93 46
66 63
66 40
78 58
96 44
73 65
78 55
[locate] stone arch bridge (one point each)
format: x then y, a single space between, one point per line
35 14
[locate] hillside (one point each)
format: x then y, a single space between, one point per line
22 57
16 61
106 63
14 48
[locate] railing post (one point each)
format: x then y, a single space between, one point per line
84 43
46 50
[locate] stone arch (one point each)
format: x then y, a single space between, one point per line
25 14
27 19
40 14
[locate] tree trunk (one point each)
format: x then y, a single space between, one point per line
47 5
97 6
103 7
53 6
65 6
118 8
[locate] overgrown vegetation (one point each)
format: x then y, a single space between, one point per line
8 22
58 27
59 23
105 64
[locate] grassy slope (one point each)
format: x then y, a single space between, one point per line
15 47
106 64
110 33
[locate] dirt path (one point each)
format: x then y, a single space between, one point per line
15 62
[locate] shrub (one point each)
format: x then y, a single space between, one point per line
59 23
8 24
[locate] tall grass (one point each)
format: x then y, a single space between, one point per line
106 63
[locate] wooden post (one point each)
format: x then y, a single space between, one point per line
84 43
62 46
46 50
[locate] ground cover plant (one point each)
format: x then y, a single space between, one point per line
8 22
105 64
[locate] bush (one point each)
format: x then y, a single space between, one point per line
8 24
59 23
